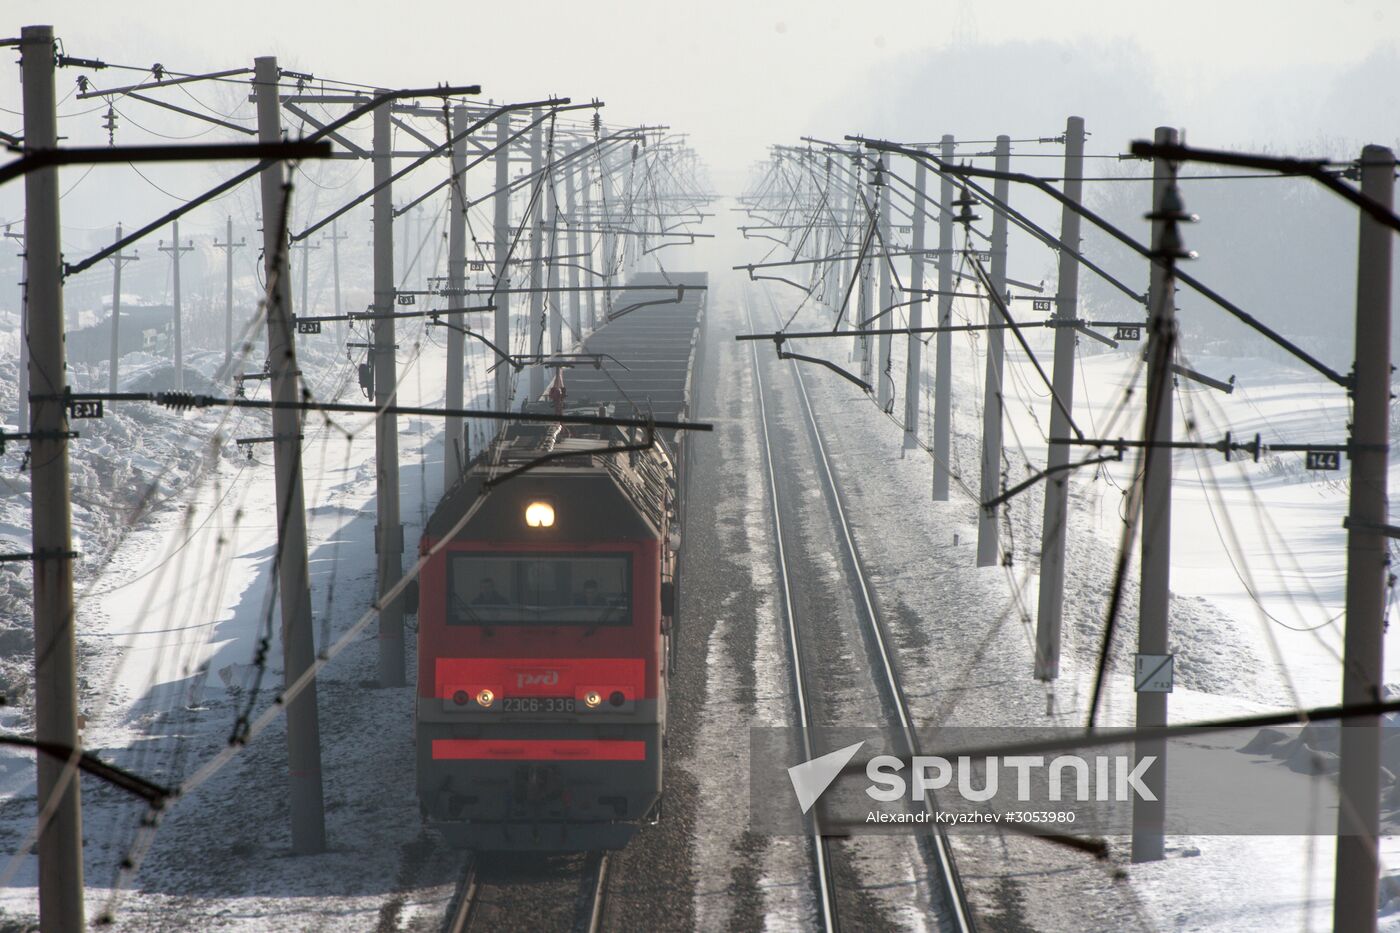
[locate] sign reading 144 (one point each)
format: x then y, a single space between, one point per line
1323 460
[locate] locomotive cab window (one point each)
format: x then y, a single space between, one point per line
539 589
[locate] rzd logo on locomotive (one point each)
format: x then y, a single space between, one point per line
541 679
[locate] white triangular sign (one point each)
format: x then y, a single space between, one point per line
811 778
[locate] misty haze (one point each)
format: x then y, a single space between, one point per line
625 466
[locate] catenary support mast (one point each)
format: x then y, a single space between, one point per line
988 544
294 584
55 665
1368 565
1052 535
388 532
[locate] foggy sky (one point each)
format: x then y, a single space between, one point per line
740 75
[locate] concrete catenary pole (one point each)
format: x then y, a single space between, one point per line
294 582
943 341
590 259
987 532
228 246
306 248
388 536
175 249
454 452
406 260
500 297
914 361
112 373
336 237
118 260
856 221
831 244
55 667
538 177
552 297
1052 532
1155 595
608 215
571 247
1358 815
884 319
22 406
870 201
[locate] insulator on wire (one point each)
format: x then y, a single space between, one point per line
964 206
1171 212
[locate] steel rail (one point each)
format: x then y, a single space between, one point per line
464 903
938 844
826 880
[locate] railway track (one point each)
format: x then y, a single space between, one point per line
934 847
570 897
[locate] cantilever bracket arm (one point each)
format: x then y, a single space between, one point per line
991 504
391 315
750 235
680 296
1083 329
35 159
690 242
1220 385
504 356
850 377
778 278
153 793
561 454
595 358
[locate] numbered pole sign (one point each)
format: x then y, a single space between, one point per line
476 265
1128 332
89 409
983 255
1323 459
1040 304
308 327
408 299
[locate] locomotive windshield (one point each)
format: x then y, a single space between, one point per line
539 589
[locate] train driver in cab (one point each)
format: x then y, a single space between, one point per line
590 595
489 595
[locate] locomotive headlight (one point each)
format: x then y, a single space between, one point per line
485 697
539 514
592 699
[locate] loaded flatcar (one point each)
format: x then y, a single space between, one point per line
546 615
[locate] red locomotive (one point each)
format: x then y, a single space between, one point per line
545 620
